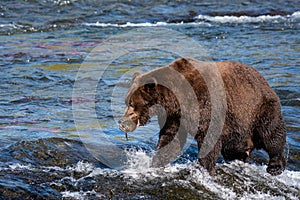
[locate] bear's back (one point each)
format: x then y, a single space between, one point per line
247 91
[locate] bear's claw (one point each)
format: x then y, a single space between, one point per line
275 170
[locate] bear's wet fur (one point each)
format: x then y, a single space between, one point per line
253 118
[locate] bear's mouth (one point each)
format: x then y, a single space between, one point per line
127 126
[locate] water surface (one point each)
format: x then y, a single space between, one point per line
43 45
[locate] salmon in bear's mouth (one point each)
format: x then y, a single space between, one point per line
127 126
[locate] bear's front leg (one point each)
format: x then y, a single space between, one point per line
168 132
209 161
164 139
170 142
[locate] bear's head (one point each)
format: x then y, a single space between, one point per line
141 96
157 92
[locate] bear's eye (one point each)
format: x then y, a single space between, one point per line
130 104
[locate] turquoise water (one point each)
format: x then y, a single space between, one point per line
45 48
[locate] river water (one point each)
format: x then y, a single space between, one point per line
65 68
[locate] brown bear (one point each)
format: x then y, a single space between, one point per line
186 91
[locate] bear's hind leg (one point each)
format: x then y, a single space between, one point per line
272 138
275 149
276 165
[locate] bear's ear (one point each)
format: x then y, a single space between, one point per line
150 81
150 84
149 87
136 74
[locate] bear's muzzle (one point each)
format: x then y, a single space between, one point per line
126 125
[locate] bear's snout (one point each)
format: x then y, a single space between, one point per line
126 125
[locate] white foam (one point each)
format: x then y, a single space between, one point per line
10 25
290 178
17 166
260 195
139 169
81 194
146 24
52 168
103 172
252 174
248 19
81 167
205 18
128 24
247 175
138 163
296 14
203 178
240 19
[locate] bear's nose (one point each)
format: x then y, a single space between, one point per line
121 121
